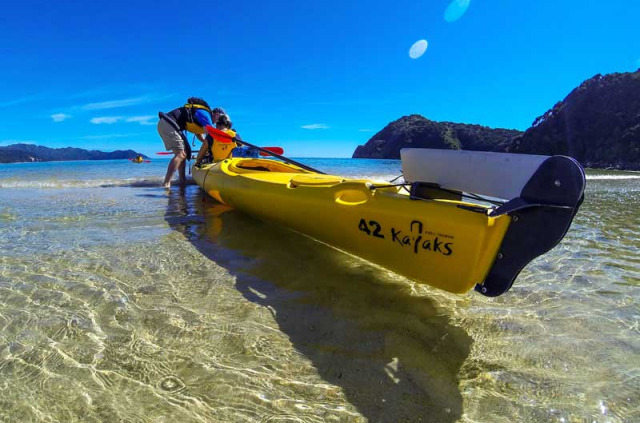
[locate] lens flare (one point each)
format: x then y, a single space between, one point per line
418 48
456 9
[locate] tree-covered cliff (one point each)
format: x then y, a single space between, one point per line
598 123
418 132
35 153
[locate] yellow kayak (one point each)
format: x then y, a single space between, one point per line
425 233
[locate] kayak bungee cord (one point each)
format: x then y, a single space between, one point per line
397 177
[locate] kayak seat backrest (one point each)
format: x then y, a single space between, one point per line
498 175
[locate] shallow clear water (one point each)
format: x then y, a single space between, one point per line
120 301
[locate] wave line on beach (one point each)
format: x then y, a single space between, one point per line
96 183
612 177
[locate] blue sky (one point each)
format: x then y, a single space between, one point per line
317 78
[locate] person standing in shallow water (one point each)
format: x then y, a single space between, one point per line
194 117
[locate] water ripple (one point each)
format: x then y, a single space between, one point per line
140 305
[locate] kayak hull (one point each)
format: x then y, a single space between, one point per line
436 242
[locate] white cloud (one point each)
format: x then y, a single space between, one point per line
17 101
108 136
315 126
114 104
106 119
59 117
365 130
142 120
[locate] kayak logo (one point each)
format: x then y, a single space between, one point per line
416 239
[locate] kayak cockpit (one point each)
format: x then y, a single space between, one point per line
262 165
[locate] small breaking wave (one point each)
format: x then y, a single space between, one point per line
612 177
379 178
94 183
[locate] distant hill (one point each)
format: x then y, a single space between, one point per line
598 123
418 132
35 153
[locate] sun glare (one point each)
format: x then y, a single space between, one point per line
456 9
418 48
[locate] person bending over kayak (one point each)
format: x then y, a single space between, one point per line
219 149
206 144
194 117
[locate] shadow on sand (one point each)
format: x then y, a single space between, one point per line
393 353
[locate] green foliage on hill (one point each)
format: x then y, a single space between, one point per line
598 123
418 132
35 153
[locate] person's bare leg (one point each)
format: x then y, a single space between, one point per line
173 165
170 171
182 174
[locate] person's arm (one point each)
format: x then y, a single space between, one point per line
203 118
201 153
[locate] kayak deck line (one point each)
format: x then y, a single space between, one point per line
419 229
